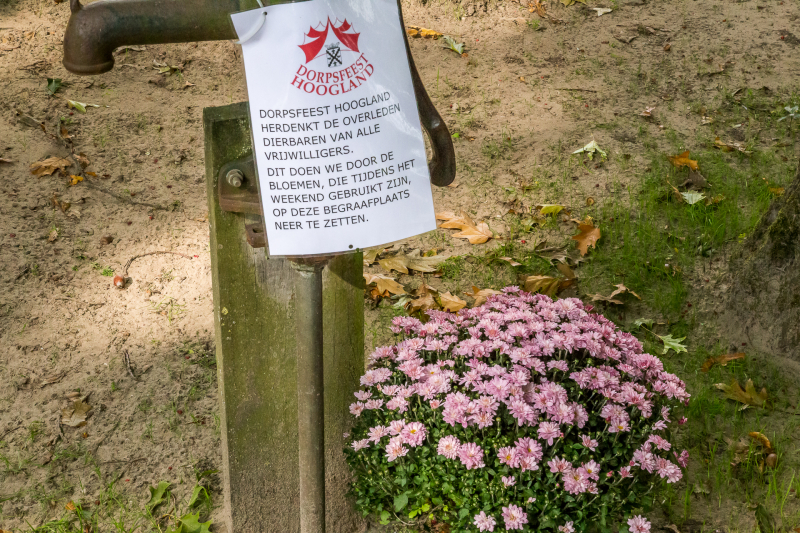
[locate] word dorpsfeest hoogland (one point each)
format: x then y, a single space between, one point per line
337 141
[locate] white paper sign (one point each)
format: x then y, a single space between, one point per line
338 143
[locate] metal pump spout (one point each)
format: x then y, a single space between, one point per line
95 30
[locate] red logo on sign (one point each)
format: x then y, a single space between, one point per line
317 38
333 62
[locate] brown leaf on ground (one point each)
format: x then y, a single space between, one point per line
731 146
621 289
425 33
761 439
695 181
510 261
52 236
424 301
721 360
587 237
70 506
4 160
413 260
49 165
74 180
567 272
76 415
748 396
384 284
539 7
546 284
474 233
83 160
682 160
451 303
481 295
371 255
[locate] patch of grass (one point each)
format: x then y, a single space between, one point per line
651 240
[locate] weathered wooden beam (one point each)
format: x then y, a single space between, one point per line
257 372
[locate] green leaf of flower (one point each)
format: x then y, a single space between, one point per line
400 502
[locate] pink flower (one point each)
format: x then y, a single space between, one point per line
528 447
435 404
668 469
397 403
362 395
396 426
376 433
625 471
683 458
514 517
589 442
395 449
374 404
360 444
682 420
566 528
548 431
449 446
559 465
508 456
509 481
413 434
471 455
483 522
638 524
356 408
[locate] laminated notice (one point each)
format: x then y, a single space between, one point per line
337 140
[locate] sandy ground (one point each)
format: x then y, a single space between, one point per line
541 88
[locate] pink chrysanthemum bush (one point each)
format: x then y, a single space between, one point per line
521 414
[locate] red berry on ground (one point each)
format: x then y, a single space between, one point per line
119 281
180 411
12 235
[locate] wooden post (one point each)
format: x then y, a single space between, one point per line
256 350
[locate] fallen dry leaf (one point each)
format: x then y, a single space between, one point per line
4 160
481 295
762 439
413 260
384 284
475 235
70 506
425 33
424 300
731 146
83 160
748 396
74 180
695 181
510 261
371 255
648 112
566 271
49 165
588 236
621 289
76 415
52 236
721 360
545 284
682 160
451 303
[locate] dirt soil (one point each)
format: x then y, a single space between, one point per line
529 91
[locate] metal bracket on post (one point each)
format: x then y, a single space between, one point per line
237 187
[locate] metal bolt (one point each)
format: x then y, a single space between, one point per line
235 177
